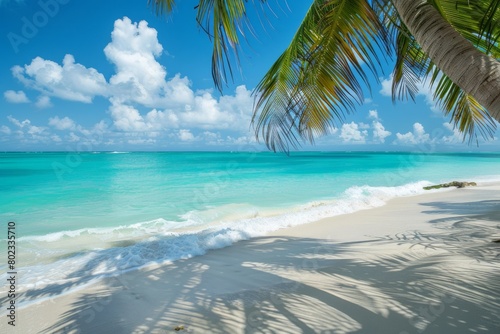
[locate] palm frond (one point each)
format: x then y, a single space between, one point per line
318 79
465 112
490 27
478 21
162 6
410 67
224 21
413 65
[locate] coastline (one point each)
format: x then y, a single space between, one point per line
419 264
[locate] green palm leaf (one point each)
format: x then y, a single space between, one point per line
162 6
318 79
413 66
478 21
410 66
223 21
465 112
321 76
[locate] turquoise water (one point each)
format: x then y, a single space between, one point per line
123 210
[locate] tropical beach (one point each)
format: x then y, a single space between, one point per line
368 251
323 166
420 264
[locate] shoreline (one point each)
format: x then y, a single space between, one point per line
353 272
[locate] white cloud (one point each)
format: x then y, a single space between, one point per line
212 138
133 49
18 123
71 81
379 132
242 140
127 118
73 137
418 136
350 133
455 138
373 114
139 82
363 126
35 130
64 123
205 112
5 130
141 141
28 132
386 89
143 102
16 97
43 102
185 135
56 138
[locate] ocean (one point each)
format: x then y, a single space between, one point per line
83 216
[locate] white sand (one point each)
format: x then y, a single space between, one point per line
422 264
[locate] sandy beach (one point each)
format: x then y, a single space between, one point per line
422 264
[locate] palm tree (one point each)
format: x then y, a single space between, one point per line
319 78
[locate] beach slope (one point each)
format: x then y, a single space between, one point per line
422 264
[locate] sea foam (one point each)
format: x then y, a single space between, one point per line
83 256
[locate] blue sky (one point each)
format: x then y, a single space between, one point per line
89 76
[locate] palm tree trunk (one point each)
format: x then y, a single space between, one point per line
475 72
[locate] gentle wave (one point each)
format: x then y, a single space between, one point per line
131 247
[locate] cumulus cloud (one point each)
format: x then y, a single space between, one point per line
73 137
373 114
144 104
64 123
133 49
43 102
186 135
351 133
127 118
456 136
71 81
141 98
204 112
386 89
418 136
379 131
56 138
5 130
28 132
18 123
16 97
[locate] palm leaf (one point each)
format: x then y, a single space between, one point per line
478 21
162 6
410 66
318 79
224 21
465 112
413 66
321 76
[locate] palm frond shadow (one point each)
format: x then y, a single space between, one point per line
329 292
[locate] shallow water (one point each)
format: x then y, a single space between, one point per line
82 216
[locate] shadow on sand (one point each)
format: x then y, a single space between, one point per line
442 281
